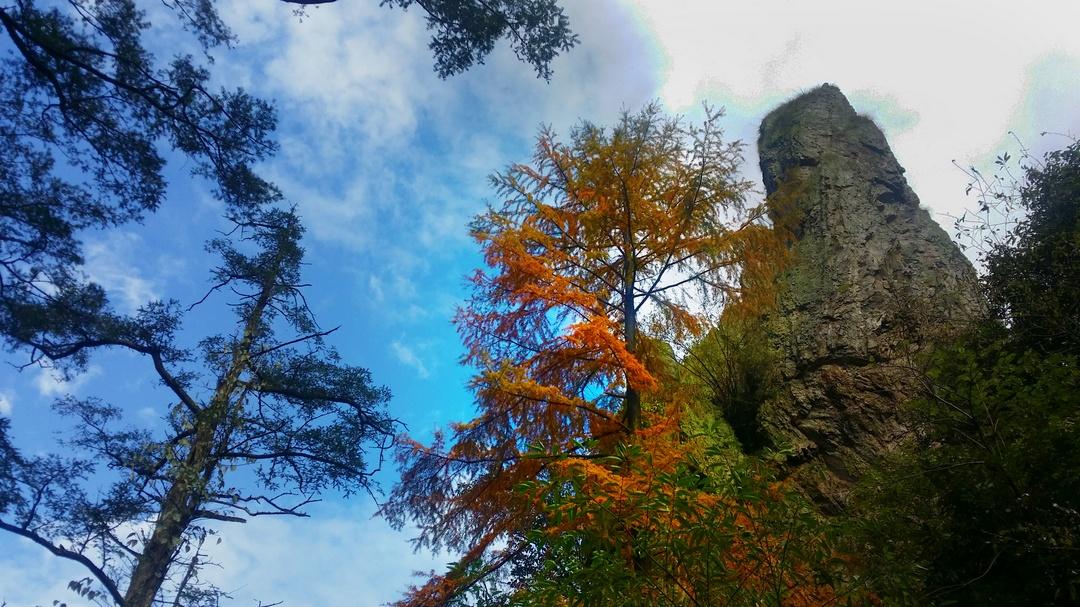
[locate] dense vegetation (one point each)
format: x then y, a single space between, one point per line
983 507
979 506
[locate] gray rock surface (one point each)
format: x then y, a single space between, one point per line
873 281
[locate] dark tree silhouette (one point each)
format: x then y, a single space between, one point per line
466 31
260 424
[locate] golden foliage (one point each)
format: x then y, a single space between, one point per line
596 244
702 542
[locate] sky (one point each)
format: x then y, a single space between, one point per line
387 164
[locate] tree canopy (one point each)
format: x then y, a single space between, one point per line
981 507
90 115
599 248
261 424
1033 276
464 32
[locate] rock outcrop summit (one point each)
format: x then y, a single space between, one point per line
873 281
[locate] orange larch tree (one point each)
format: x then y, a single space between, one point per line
594 243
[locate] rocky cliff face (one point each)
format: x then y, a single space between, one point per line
873 280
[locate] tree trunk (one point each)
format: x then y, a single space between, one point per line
181 504
632 403
153 564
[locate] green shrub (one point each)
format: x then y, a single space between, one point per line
983 506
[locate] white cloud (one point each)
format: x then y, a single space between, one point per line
32 576
408 357
113 263
7 402
375 146
344 559
343 215
355 65
51 384
944 79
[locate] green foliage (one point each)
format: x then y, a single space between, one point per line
1033 275
737 369
712 530
694 523
9 462
265 419
984 507
465 31
87 114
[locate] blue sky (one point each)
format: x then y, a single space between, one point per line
387 164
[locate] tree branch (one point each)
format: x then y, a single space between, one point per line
53 353
287 454
302 338
62 552
217 516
